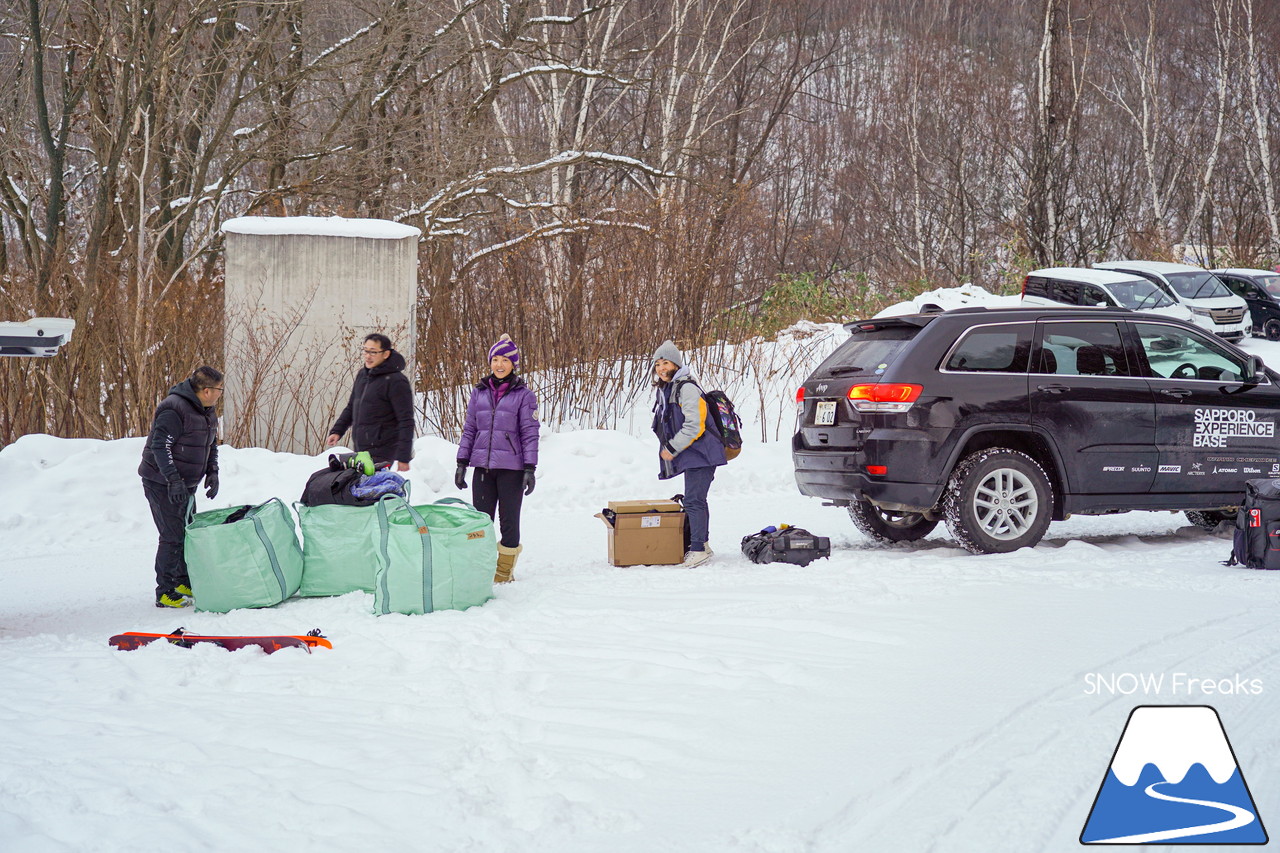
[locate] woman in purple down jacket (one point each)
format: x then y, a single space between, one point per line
500 440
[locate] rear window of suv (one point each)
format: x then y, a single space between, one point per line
867 351
992 349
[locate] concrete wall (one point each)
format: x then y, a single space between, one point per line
301 293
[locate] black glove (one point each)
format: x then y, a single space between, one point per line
211 485
460 476
529 481
178 493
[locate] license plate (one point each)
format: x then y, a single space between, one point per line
824 414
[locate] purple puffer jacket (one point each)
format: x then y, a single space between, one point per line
502 426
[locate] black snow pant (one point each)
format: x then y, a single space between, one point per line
171 522
502 490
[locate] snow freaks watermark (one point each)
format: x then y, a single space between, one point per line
1169 684
1173 779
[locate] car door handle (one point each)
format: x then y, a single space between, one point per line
1176 392
1053 389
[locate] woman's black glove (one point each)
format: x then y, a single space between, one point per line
460 476
211 485
529 480
178 493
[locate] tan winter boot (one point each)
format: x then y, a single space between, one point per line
507 563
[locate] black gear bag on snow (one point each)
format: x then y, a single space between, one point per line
1256 544
793 545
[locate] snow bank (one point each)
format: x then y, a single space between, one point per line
947 298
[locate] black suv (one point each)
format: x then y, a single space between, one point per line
1000 420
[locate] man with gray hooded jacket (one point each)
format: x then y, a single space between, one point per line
686 446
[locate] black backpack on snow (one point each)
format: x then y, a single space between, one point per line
793 545
1256 544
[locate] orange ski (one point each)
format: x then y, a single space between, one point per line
268 643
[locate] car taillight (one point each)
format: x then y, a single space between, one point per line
878 470
1025 278
800 395
884 396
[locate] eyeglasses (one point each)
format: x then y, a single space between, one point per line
217 388
373 351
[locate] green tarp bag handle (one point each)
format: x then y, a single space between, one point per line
458 501
384 526
253 514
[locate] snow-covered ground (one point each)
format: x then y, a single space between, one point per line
912 698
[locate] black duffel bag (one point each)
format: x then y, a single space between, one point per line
330 486
793 545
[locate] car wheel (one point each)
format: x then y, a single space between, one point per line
998 500
1271 330
886 525
1208 519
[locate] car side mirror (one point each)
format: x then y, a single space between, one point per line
1254 369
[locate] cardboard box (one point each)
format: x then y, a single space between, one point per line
644 533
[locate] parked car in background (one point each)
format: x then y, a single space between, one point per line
1214 306
1080 286
1261 290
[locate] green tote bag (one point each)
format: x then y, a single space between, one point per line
337 548
438 556
254 561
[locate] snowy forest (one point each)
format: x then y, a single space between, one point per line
594 176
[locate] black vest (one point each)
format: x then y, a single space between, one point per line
192 446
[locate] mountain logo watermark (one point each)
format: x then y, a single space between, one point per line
1173 779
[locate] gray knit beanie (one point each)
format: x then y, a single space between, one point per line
670 352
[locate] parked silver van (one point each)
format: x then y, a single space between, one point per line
1215 307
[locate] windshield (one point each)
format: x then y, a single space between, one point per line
1269 283
1197 285
1140 295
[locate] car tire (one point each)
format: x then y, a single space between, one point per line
998 500
1271 330
883 525
1208 519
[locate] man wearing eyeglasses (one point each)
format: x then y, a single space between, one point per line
380 410
181 450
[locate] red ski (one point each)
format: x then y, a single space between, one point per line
180 637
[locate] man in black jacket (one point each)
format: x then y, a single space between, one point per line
380 411
181 450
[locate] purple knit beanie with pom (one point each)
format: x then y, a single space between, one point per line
505 347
